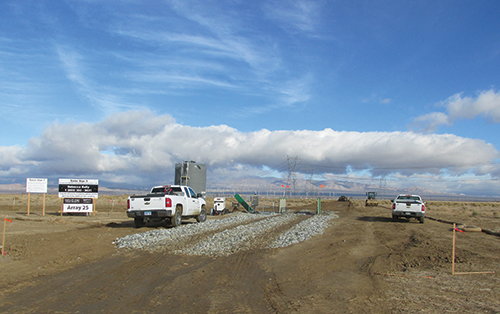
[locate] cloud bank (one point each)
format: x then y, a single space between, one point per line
486 104
140 148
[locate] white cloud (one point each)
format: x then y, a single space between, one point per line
430 122
142 148
11 163
486 104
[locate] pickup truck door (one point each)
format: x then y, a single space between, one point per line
192 202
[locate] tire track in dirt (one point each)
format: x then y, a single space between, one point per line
338 267
79 289
229 300
245 272
143 279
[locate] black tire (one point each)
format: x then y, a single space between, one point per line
139 222
395 218
202 217
177 219
421 219
168 222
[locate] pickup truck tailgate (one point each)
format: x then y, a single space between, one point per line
411 206
147 203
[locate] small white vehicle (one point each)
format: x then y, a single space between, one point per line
220 206
408 206
169 202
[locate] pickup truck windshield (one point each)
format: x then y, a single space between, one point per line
409 197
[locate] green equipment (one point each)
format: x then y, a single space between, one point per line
243 202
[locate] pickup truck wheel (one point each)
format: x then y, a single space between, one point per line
177 219
421 220
394 218
202 216
139 222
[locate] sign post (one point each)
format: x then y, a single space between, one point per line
36 185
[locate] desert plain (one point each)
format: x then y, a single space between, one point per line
362 263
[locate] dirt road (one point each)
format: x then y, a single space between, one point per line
363 263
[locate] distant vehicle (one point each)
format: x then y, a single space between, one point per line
169 202
408 206
343 198
370 199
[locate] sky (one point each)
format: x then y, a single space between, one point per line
353 95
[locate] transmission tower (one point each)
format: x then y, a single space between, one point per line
309 181
291 180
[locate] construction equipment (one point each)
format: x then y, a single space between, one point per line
243 202
370 199
343 198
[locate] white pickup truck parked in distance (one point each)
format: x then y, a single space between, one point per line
169 202
408 206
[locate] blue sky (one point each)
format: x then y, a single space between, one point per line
358 91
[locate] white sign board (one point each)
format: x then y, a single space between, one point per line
78 188
79 181
78 205
36 185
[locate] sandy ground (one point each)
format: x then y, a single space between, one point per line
363 263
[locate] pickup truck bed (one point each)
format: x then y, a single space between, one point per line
170 203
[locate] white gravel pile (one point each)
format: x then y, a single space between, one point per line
236 232
239 238
164 237
304 230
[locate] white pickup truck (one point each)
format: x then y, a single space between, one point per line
408 206
168 202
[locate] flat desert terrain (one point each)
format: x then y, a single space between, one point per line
363 262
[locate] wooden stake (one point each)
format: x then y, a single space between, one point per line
3 234
43 206
453 258
476 272
28 204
